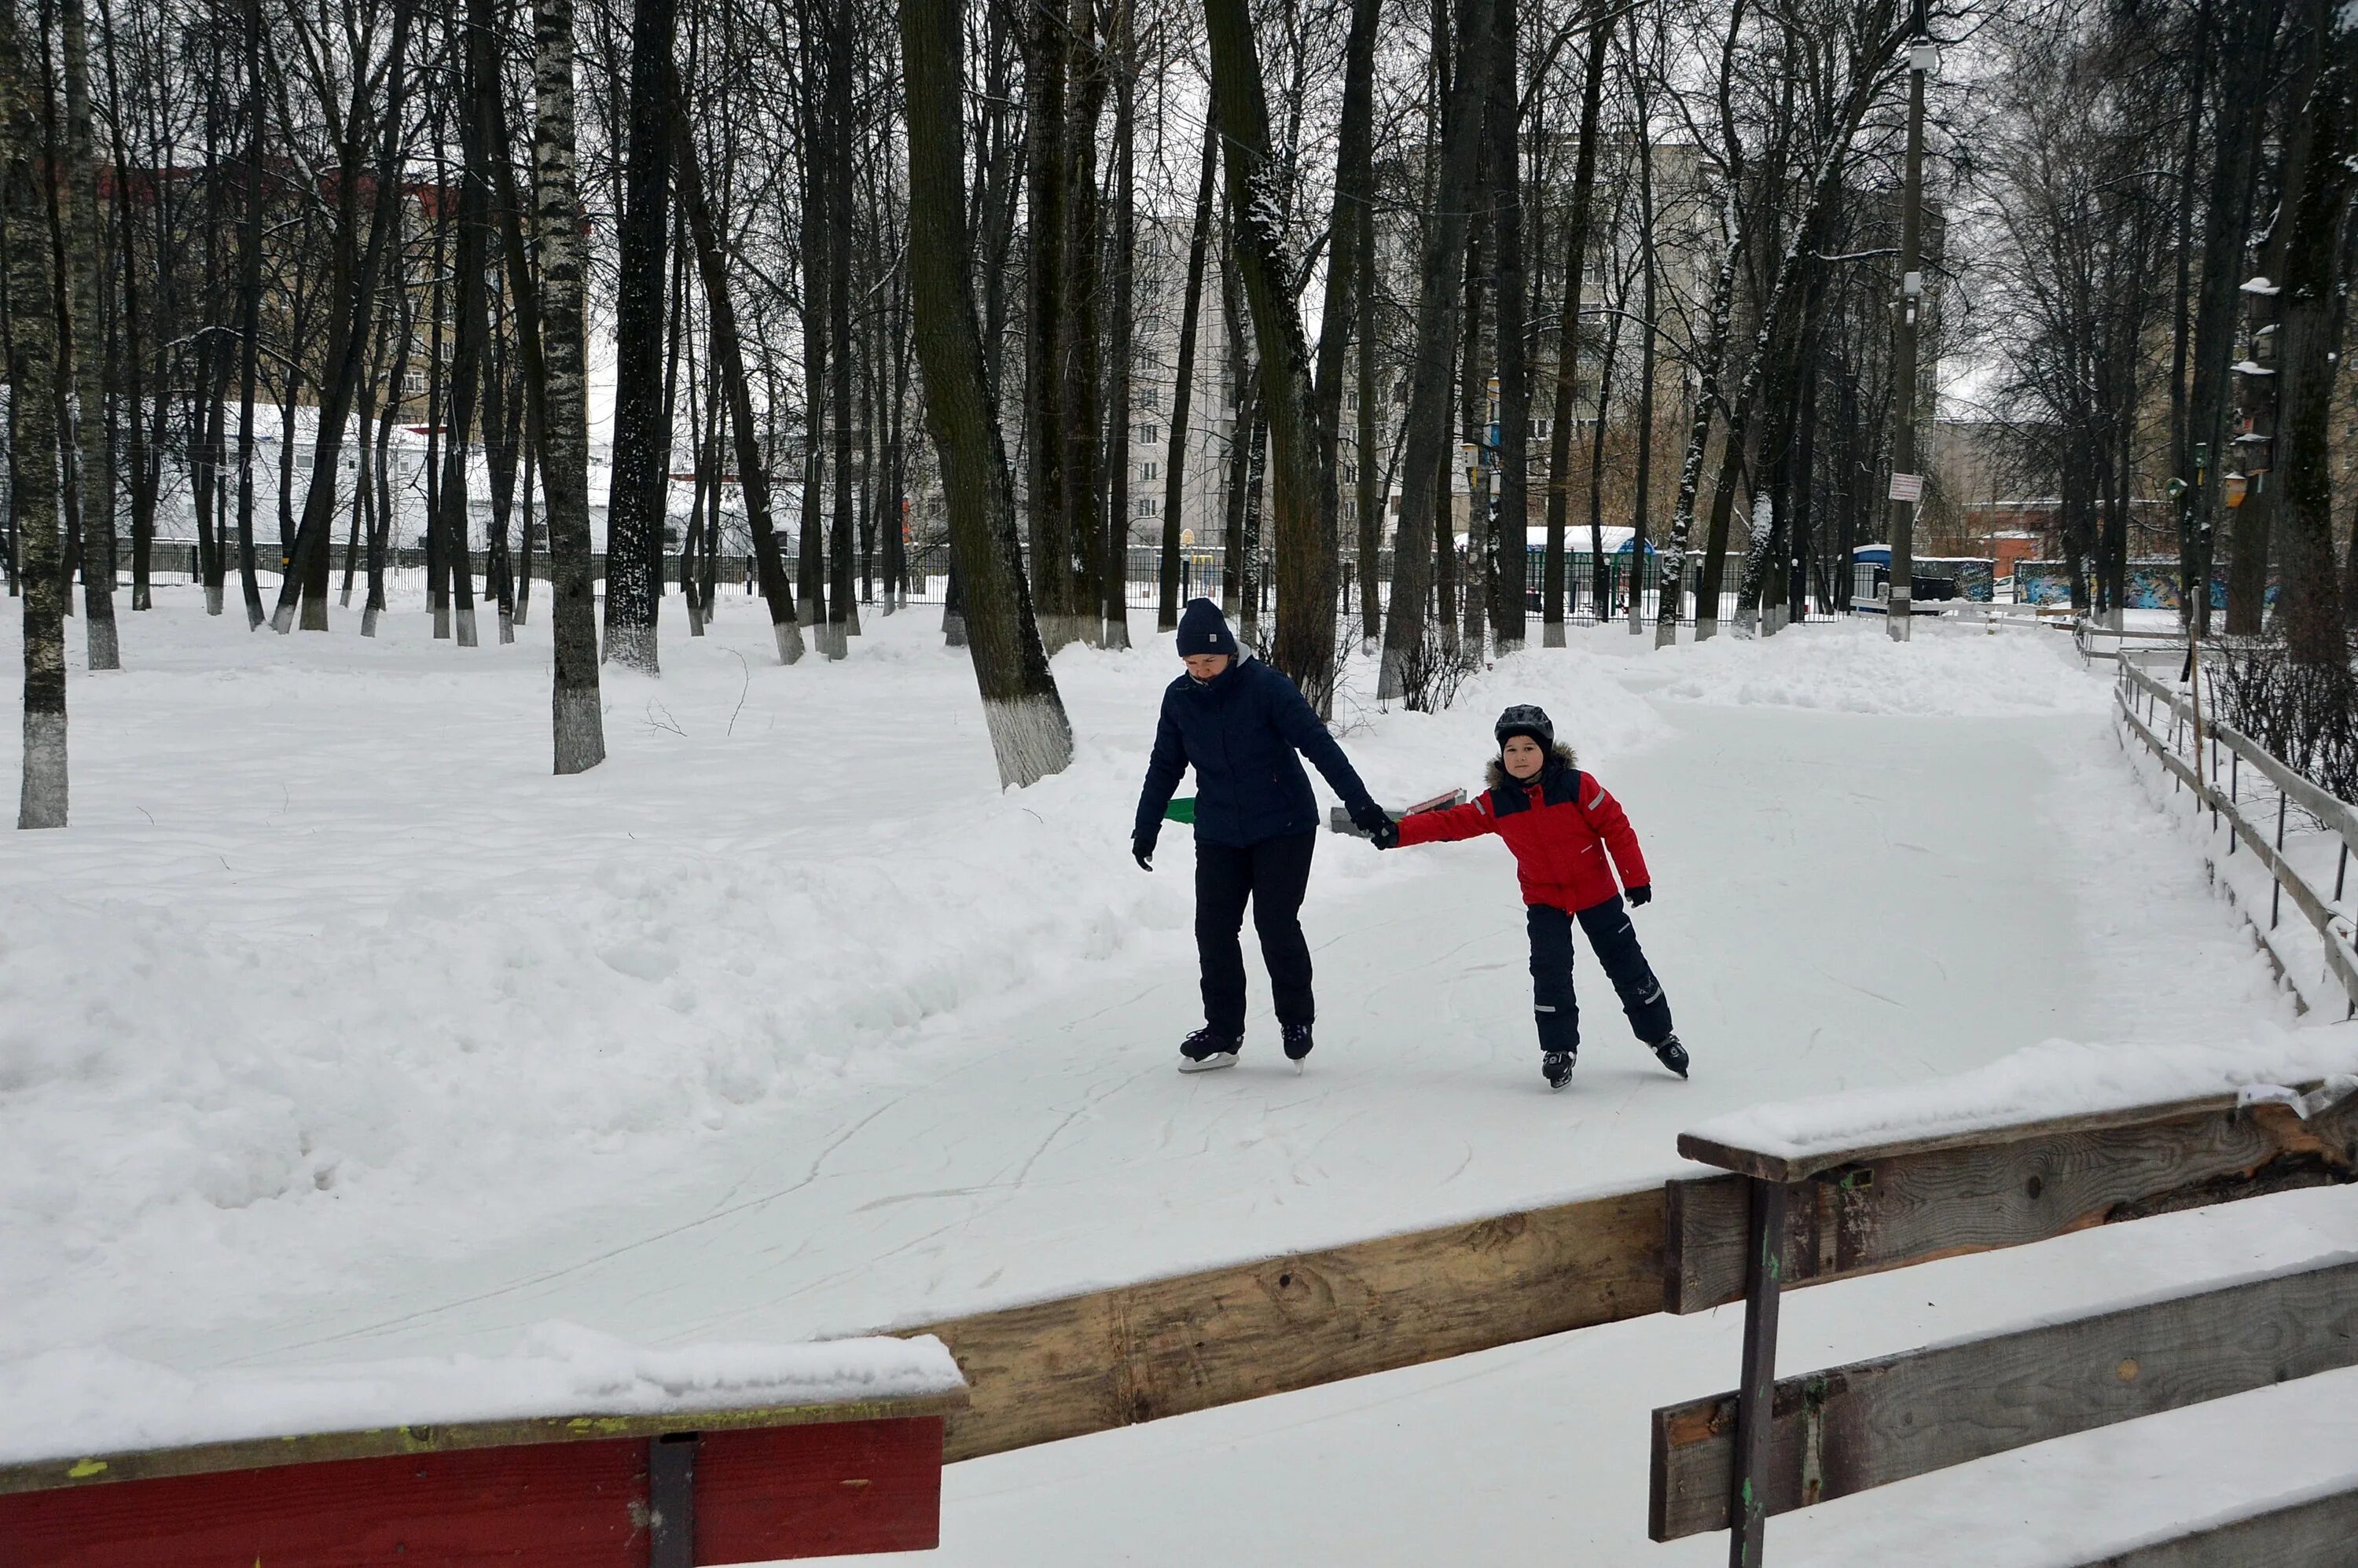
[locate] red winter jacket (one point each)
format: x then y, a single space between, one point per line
1559 825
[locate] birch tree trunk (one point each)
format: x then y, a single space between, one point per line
578 728
1029 735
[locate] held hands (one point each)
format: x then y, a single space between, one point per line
1371 819
1386 837
1642 893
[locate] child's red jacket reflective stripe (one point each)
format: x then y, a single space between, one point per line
1561 827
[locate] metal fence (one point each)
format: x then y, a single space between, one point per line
1202 573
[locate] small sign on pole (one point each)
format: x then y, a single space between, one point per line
1907 487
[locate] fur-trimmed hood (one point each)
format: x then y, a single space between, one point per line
1560 756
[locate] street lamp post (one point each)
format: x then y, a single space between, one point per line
1907 492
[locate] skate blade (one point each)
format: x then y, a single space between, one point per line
1210 1063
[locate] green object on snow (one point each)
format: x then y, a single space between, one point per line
1181 810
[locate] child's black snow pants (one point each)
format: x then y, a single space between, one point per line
1615 941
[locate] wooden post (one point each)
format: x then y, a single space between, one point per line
2275 893
1747 1502
671 1500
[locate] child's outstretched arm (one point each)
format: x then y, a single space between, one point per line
1469 821
1611 824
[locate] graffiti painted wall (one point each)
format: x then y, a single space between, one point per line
2152 584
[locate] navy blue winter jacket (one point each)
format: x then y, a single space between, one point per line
1240 732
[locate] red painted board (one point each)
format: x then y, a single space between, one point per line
810 1491
556 1505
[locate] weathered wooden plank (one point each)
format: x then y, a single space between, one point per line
1862 1218
760 1496
450 1437
2317 1532
1137 1353
1853 1428
1773 1167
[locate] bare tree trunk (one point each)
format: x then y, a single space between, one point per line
466 372
1424 445
1350 279
1045 345
1183 388
249 291
1370 491
2246 39
1509 546
33 378
635 506
1303 647
1030 734
83 340
1567 362
352 304
580 727
843 618
2314 313
1115 574
811 527
1083 429
728 364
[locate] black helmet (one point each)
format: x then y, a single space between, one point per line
1525 718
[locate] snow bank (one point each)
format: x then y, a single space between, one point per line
67 1404
1852 667
2060 1077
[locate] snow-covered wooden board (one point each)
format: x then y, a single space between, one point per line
1886 1211
1851 1429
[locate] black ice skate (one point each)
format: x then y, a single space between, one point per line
1557 1068
1297 1043
1206 1050
1672 1054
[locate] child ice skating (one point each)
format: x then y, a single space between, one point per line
1561 825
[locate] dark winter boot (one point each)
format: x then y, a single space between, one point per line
1557 1068
1297 1042
1207 1049
1671 1054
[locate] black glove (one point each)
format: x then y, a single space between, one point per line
1371 818
1642 893
1387 836
1142 850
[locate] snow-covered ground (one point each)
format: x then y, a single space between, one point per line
338 1031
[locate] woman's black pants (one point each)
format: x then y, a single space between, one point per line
1273 874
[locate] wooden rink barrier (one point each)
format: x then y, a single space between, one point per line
756 1485
1732 1460
1136 1353
667 1491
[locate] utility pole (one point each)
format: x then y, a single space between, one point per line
1907 480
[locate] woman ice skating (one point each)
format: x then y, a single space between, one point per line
1561 822
1240 724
